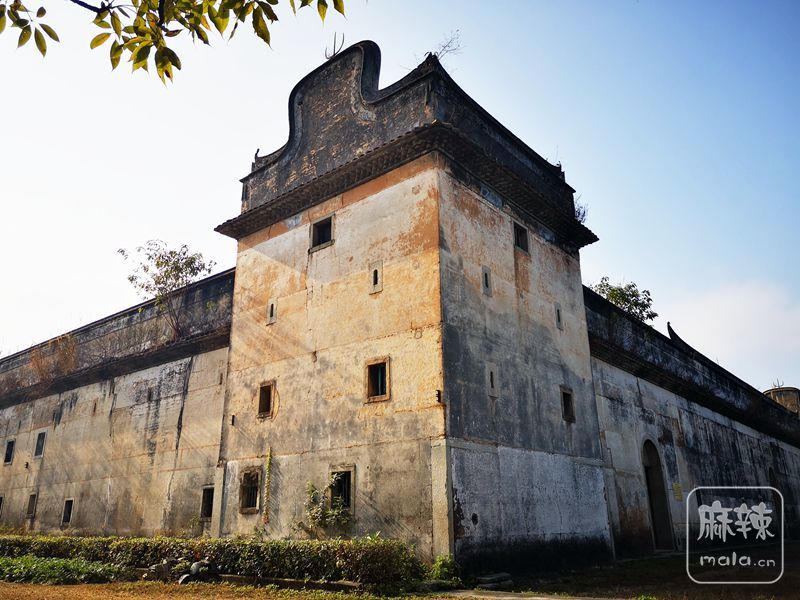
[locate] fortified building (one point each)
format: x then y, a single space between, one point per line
407 322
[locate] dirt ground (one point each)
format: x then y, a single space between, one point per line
160 591
662 578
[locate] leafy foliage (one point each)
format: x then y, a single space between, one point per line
629 298
444 568
322 510
141 30
163 273
370 560
34 569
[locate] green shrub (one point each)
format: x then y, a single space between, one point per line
444 567
34 569
370 560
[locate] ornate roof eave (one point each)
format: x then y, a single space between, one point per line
436 137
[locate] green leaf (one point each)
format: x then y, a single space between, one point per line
41 12
220 20
140 56
201 33
24 36
322 8
270 14
116 24
2 18
98 40
50 31
41 44
169 10
173 59
259 26
294 8
339 6
115 54
102 25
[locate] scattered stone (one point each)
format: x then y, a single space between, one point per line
436 585
201 566
494 578
184 579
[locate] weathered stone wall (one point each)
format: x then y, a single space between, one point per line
133 451
328 326
523 478
697 447
132 417
708 427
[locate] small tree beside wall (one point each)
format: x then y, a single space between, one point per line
162 273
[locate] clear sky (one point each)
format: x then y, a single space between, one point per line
678 123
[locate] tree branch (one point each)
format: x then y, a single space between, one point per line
94 9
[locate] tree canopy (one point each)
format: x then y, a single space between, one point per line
141 30
163 273
628 297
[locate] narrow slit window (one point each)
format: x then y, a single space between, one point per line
31 510
378 380
322 232
342 489
9 452
272 311
39 450
520 237
559 316
375 276
486 281
265 399
493 384
207 503
248 492
66 516
1 507
567 405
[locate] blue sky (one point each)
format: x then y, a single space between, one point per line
676 122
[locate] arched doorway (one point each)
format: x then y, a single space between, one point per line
657 498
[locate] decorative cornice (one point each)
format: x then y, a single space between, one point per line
344 130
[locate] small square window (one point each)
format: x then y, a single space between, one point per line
39 450
378 380
248 491
31 510
322 233
520 237
9 452
207 503
66 516
486 281
342 489
567 405
266 395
